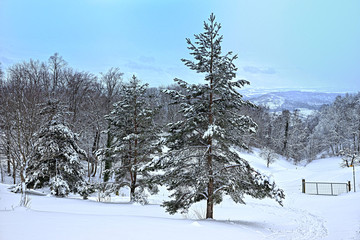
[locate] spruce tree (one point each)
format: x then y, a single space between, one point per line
135 139
202 162
56 159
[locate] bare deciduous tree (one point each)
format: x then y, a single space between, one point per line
56 66
25 94
268 155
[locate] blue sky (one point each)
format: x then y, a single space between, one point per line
287 44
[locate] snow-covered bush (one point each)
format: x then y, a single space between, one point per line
140 197
59 187
85 189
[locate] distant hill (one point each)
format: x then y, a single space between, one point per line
304 101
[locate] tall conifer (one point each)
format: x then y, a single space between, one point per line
202 162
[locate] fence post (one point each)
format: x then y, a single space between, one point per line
332 192
317 189
349 186
353 165
303 186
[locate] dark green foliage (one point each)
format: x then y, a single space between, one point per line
135 138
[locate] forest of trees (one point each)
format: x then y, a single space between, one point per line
76 131
328 132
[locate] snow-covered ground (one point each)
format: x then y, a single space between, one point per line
302 217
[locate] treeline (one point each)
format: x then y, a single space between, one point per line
333 129
60 127
51 111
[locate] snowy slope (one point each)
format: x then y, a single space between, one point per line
302 217
319 217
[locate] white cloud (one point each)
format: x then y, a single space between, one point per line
257 70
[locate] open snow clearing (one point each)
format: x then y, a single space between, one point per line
302 217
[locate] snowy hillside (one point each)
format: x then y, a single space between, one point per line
305 101
302 217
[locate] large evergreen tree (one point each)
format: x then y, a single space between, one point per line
202 161
135 138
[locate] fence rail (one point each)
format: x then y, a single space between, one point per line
325 188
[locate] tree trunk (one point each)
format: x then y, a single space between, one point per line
88 165
8 157
108 162
134 167
95 147
332 149
286 137
8 167
1 172
14 171
210 200
24 199
94 166
132 190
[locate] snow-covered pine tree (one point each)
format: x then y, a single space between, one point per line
202 161
136 139
56 161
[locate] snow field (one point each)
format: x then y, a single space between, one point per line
302 217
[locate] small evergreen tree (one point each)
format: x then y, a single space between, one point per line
202 162
56 161
135 139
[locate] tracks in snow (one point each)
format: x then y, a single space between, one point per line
294 224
